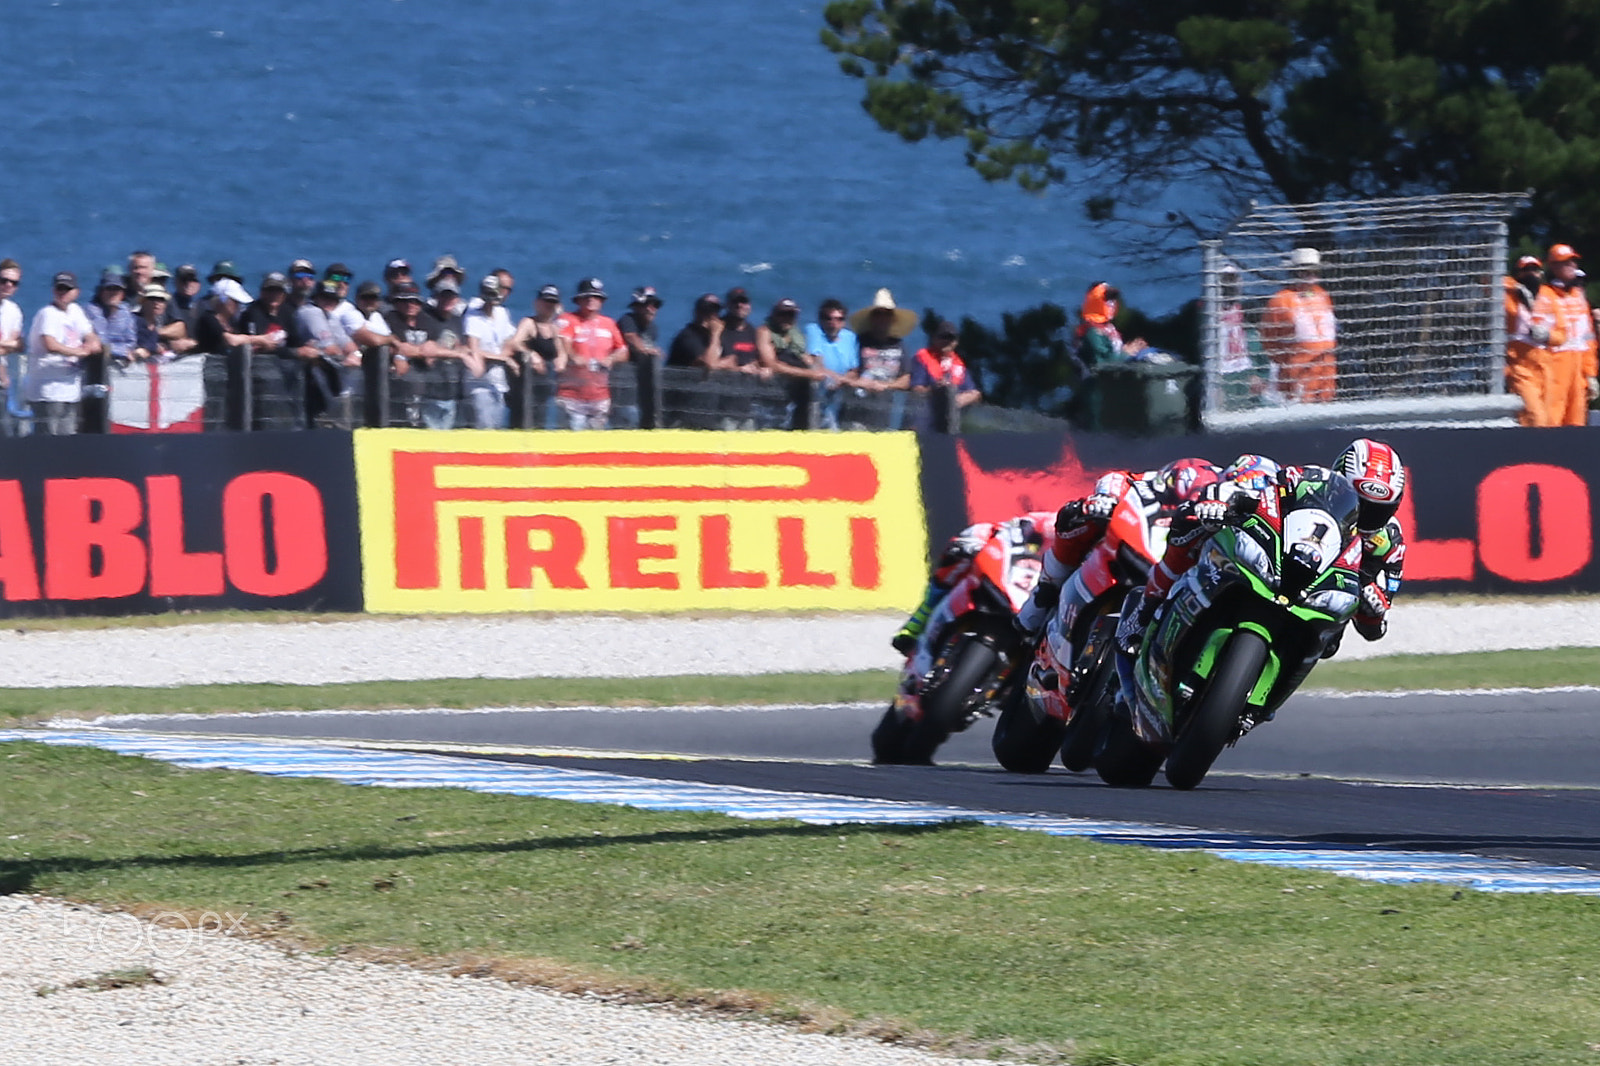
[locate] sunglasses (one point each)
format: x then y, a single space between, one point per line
10 281
834 318
338 277
66 288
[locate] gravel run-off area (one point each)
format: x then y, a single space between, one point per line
407 649
227 1000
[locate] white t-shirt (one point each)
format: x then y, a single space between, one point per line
376 324
492 331
348 317
10 320
56 378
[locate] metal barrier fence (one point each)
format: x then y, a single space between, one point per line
1415 289
241 391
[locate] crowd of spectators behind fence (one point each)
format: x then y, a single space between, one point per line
448 353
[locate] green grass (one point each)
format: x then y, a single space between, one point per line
1081 952
22 706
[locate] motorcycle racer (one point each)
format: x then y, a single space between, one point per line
1080 524
956 560
1374 468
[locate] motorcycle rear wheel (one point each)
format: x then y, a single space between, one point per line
1023 742
1214 723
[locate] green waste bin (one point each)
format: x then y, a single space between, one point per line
1143 399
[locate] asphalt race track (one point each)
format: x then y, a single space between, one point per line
1504 774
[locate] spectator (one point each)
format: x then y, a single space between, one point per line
539 338
326 342
739 349
186 294
10 322
59 339
216 324
1299 332
150 344
446 304
302 281
110 318
699 344
445 267
583 391
373 332
641 334
837 353
508 284
942 375
174 324
488 332
882 366
352 320
141 273
1097 340
784 352
281 356
433 371
396 272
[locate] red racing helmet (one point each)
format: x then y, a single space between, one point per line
1182 480
1374 468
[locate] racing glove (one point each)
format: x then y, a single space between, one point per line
1099 507
1210 514
1370 620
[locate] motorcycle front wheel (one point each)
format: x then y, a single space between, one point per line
889 740
1214 723
1090 706
1123 760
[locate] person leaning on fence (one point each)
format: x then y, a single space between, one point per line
583 390
542 348
149 344
10 318
695 347
1576 383
328 349
1533 325
488 331
883 370
280 356
940 372
112 320
837 353
782 344
302 275
1299 332
642 335
59 339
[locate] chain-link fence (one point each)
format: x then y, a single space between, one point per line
1383 310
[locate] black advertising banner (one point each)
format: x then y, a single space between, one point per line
133 524
1486 510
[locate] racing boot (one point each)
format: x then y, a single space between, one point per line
905 641
1035 612
1137 611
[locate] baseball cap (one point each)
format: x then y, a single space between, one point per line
946 328
707 299
338 272
646 294
187 272
66 279
1529 261
327 287
785 305
1560 253
490 285
275 280
406 291
112 279
396 266
550 292
738 295
303 266
369 288
224 268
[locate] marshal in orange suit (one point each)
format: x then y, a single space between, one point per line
1298 330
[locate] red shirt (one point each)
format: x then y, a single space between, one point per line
587 376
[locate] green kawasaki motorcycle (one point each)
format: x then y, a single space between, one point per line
1239 632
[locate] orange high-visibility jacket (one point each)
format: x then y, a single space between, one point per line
1577 326
1298 322
1522 318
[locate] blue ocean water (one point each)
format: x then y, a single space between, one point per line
691 145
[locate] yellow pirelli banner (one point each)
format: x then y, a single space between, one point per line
664 520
